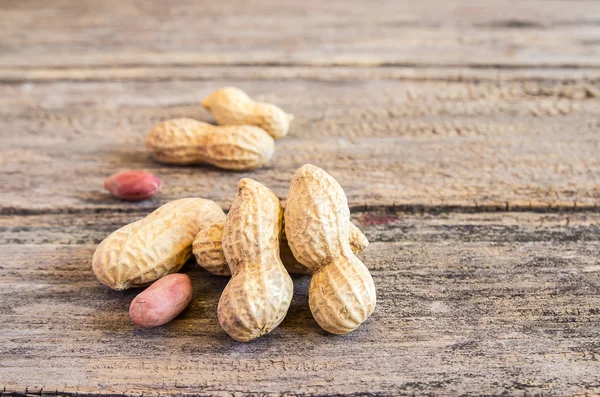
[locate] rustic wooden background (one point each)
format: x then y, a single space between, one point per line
466 135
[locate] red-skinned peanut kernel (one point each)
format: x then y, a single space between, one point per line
134 185
162 301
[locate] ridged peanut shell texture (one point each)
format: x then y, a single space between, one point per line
159 244
186 141
232 106
342 293
208 250
259 293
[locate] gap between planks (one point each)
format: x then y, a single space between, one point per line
358 210
326 73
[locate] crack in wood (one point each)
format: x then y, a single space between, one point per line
355 209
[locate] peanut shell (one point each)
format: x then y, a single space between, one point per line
232 106
159 244
186 141
260 290
208 250
342 292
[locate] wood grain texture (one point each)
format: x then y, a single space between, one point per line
89 228
513 309
102 33
466 144
465 135
309 73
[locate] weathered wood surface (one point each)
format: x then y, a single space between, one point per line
101 33
466 135
477 304
492 145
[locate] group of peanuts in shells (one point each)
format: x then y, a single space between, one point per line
257 243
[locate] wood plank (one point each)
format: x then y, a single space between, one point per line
311 73
468 304
493 145
464 133
91 227
103 33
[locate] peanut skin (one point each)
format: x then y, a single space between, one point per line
133 185
159 244
162 301
259 293
186 141
208 250
232 106
342 293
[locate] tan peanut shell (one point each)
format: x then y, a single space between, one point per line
187 141
342 293
159 244
260 290
232 106
208 250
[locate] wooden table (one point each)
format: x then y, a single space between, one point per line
466 136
